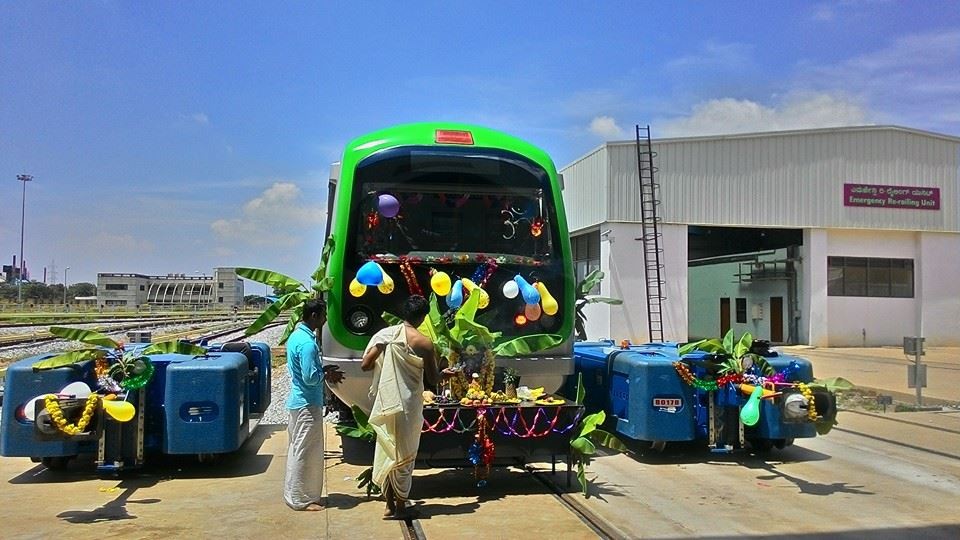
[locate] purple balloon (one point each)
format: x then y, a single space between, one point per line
388 205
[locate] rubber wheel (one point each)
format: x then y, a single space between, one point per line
56 463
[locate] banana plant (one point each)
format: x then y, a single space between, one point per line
361 429
584 297
123 364
737 355
293 294
588 437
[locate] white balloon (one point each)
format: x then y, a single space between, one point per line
30 408
511 289
79 389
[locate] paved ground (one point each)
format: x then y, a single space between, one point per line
885 369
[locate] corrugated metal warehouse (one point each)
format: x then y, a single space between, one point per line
828 237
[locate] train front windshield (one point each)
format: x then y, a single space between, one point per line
474 214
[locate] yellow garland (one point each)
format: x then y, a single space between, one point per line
811 406
53 407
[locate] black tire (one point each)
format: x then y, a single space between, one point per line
55 463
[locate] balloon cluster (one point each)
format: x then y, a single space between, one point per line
537 298
371 274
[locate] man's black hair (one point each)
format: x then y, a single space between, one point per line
314 306
415 308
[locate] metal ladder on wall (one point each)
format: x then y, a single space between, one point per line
650 234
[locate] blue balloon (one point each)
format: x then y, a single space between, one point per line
455 297
530 293
370 274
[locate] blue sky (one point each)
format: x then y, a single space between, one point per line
179 136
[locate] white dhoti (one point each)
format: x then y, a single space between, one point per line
304 481
397 413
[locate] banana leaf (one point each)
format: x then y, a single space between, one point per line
69 358
269 277
174 347
584 446
590 281
291 324
581 391
603 300
591 421
527 344
833 384
603 437
321 270
273 310
582 477
390 318
84 336
743 346
728 342
706 345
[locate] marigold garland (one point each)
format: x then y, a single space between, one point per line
811 406
56 414
692 380
407 270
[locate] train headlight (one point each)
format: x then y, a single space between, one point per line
359 320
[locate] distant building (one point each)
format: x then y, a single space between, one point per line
831 237
223 289
11 272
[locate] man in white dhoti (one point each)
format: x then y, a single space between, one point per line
303 485
403 358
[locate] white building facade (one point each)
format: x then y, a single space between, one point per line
829 237
124 290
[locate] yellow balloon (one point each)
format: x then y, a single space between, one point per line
484 298
549 303
440 283
121 411
468 285
357 289
387 286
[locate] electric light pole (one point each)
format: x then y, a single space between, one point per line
65 286
23 207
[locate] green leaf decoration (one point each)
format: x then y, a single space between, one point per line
602 437
360 417
69 358
324 284
527 344
356 432
710 346
174 347
590 281
84 336
269 277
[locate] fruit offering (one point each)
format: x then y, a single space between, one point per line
550 400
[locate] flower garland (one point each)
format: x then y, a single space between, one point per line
692 380
482 450
407 270
53 407
811 406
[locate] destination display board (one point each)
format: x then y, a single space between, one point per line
900 197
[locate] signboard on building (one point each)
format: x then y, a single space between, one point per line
904 197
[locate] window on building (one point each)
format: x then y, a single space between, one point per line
116 286
142 288
220 285
741 310
875 277
116 302
586 255
220 299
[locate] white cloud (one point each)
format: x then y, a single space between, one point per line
274 218
715 55
605 127
800 111
200 118
913 80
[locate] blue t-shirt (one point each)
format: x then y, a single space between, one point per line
305 368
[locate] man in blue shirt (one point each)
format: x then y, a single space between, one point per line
303 485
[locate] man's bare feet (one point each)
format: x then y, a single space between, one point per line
314 507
